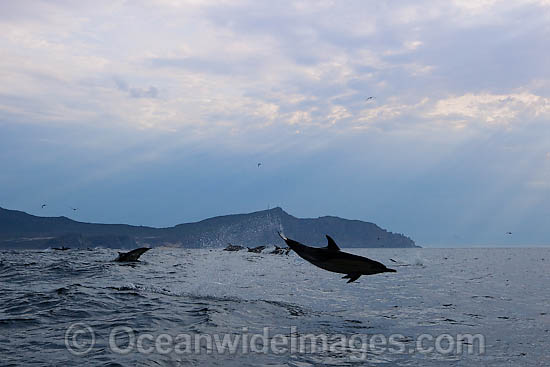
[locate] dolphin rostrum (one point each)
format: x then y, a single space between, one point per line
332 259
132 255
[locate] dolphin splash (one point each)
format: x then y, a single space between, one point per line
332 259
132 255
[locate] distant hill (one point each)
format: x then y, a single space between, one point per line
21 230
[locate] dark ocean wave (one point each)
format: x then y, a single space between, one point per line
44 293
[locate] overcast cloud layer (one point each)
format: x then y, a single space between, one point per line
157 113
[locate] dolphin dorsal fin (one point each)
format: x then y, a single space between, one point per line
332 246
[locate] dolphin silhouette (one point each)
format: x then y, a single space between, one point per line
256 249
332 259
132 255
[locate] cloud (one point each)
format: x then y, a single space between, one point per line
230 65
500 109
134 92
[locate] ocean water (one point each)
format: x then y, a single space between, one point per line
78 307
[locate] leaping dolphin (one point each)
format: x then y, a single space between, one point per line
231 247
256 250
332 259
132 255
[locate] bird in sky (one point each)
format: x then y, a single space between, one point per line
370 98
259 164
508 232
74 209
43 205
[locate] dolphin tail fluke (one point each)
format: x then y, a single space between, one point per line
352 277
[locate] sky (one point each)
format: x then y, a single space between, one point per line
158 113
